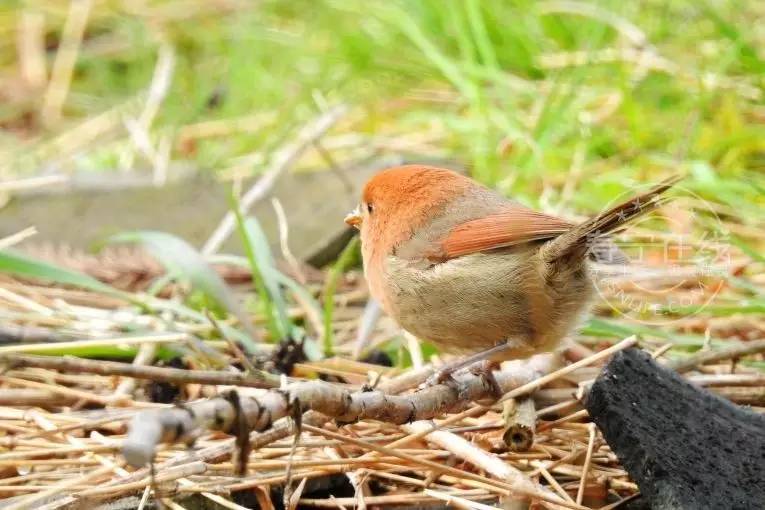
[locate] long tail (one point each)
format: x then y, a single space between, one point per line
587 236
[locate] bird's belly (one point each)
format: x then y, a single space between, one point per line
466 304
477 301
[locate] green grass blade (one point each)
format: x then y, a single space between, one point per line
481 34
268 273
263 270
183 260
27 267
442 62
310 345
343 261
748 250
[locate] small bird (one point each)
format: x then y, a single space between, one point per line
459 265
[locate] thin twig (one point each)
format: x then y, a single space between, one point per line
511 487
163 374
281 161
702 357
13 239
587 463
66 56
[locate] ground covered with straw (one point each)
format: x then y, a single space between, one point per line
566 106
64 425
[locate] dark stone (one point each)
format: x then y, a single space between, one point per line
165 392
378 357
686 448
287 352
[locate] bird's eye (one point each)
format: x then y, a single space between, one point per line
370 208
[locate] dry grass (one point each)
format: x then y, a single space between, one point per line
62 431
601 98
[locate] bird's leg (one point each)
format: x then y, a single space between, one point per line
492 357
485 370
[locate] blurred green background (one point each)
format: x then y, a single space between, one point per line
564 105
560 103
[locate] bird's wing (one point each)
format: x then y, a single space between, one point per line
515 224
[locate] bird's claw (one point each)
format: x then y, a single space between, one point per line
443 376
485 370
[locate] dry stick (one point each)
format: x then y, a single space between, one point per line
144 356
66 56
570 457
284 233
554 483
260 465
107 463
411 500
27 183
85 426
565 419
745 395
281 429
481 459
163 374
139 129
30 43
58 450
520 423
278 479
458 501
283 159
728 379
587 462
149 428
544 496
355 477
63 486
31 397
101 342
556 408
525 389
13 239
53 388
193 468
700 358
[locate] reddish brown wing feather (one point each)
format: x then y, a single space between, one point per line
515 225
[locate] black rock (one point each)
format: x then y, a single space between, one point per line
165 392
686 448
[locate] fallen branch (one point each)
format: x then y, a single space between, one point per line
527 388
483 460
511 487
700 358
160 374
520 423
218 452
183 424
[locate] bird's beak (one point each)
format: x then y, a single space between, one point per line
353 218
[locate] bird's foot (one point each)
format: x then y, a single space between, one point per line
442 376
485 370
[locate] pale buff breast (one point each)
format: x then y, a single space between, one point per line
474 302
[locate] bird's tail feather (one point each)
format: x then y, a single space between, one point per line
587 236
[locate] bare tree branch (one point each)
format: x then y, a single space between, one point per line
262 408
